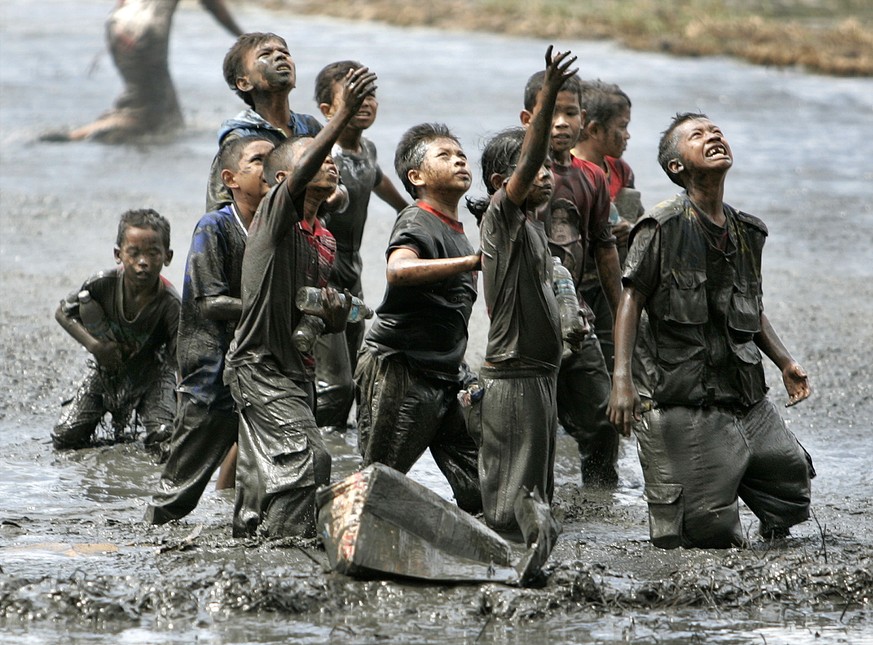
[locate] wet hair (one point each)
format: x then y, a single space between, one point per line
668 146
602 102
282 157
329 75
143 218
499 156
231 151
535 84
412 147
234 60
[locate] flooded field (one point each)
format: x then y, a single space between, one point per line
78 565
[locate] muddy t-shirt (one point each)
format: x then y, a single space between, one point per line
360 174
283 253
214 268
427 324
149 338
517 277
578 217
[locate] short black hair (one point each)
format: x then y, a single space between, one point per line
232 149
281 158
143 218
234 60
535 84
668 146
329 75
601 101
412 147
500 155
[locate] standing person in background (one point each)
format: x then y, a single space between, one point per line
355 156
602 142
138 36
695 266
206 423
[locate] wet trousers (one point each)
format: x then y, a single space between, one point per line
583 394
335 362
402 412
282 458
152 396
697 461
201 438
517 429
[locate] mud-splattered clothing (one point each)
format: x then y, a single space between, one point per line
281 458
411 366
578 224
517 415
714 435
145 382
336 354
206 421
249 123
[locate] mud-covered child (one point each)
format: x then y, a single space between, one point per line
517 415
411 368
282 458
355 156
577 223
205 427
134 367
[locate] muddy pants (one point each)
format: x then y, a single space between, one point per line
335 362
402 412
201 438
696 461
282 458
583 394
517 430
152 396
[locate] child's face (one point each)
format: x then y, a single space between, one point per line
541 191
269 67
365 116
327 176
443 168
249 177
566 122
702 146
142 255
614 136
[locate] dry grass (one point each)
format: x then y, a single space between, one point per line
824 36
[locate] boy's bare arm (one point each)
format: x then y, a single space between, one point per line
405 268
535 146
388 193
107 353
624 401
221 308
221 13
609 272
793 375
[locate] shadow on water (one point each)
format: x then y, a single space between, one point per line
78 565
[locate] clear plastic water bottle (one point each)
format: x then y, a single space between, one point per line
309 302
307 332
568 303
93 317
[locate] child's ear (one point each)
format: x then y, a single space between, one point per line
326 110
525 117
414 177
243 84
280 175
675 166
496 181
116 251
169 257
228 178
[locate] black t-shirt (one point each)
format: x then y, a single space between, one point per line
427 324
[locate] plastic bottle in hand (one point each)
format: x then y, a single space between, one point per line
307 332
309 302
568 303
93 317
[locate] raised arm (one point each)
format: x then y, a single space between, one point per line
535 146
221 13
793 375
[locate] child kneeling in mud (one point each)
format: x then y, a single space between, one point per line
135 352
518 415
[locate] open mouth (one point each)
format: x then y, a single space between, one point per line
717 149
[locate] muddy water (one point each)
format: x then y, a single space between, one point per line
79 566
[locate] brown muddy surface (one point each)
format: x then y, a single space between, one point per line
78 565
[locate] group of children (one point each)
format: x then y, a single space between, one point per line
287 203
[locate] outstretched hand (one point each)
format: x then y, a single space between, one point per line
558 69
359 83
336 309
796 383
